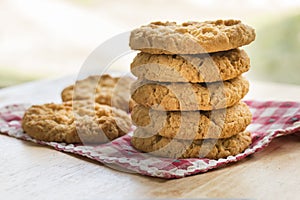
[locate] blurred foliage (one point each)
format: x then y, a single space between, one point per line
10 77
275 54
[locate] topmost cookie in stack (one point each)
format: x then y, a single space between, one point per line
193 67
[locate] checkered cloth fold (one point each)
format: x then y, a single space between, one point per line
270 119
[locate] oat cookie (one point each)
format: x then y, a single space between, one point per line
186 96
191 37
75 122
222 123
191 68
174 148
107 90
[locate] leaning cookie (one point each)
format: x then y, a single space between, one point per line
191 68
189 125
191 37
187 97
75 122
208 148
107 90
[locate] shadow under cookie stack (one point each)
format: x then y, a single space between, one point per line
190 87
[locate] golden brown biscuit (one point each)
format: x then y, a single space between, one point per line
191 125
75 122
174 148
186 96
191 37
191 68
107 90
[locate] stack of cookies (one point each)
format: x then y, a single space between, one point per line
189 88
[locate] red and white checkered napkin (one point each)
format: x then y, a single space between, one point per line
270 119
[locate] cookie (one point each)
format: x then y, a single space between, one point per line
174 148
191 125
107 90
191 68
191 37
189 96
75 122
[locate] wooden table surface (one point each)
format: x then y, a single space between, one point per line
30 171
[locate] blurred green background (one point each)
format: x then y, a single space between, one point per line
276 52
52 38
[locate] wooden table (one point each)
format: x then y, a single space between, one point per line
30 171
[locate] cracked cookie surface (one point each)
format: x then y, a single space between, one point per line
191 37
191 125
107 90
75 122
191 68
189 96
208 148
